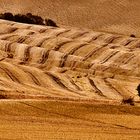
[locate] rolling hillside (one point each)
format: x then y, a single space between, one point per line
48 62
68 83
119 16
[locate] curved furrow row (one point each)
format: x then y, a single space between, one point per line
66 62
26 53
105 89
88 37
127 41
14 90
122 59
54 43
56 32
109 55
93 54
70 52
84 51
10 75
104 38
107 37
97 90
37 80
109 84
134 44
40 41
22 32
15 73
75 33
59 82
114 70
55 79
6 29
121 88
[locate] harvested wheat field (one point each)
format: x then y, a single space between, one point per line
67 83
77 81
119 16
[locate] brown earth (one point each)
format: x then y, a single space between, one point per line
67 63
68 83
53 80
56 120
119 16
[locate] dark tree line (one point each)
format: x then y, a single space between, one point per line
28 18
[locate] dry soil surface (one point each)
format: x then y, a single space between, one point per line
119 16
67 83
